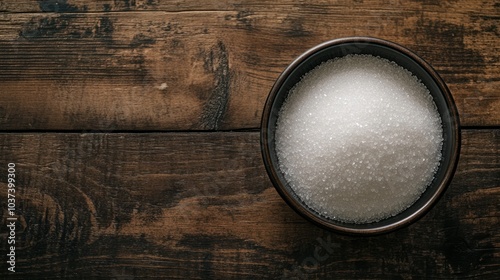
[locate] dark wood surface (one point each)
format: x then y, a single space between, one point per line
134 129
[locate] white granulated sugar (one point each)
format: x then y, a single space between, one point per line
359 139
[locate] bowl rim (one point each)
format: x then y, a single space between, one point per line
298 206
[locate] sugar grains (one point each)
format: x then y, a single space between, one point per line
359 139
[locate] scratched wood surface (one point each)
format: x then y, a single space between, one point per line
134 128
199 205
182 65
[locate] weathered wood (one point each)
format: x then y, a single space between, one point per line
200 206
197 205
317 6
182 65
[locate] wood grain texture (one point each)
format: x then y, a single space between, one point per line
200 206
121 202
182 65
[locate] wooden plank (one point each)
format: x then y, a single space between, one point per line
200 205
82 6
180 66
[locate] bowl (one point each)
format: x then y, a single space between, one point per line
403 57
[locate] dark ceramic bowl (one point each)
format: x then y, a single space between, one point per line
405 58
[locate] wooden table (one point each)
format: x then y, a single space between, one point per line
134 129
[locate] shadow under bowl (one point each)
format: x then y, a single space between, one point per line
403 57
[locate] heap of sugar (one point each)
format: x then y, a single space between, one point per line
359 139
